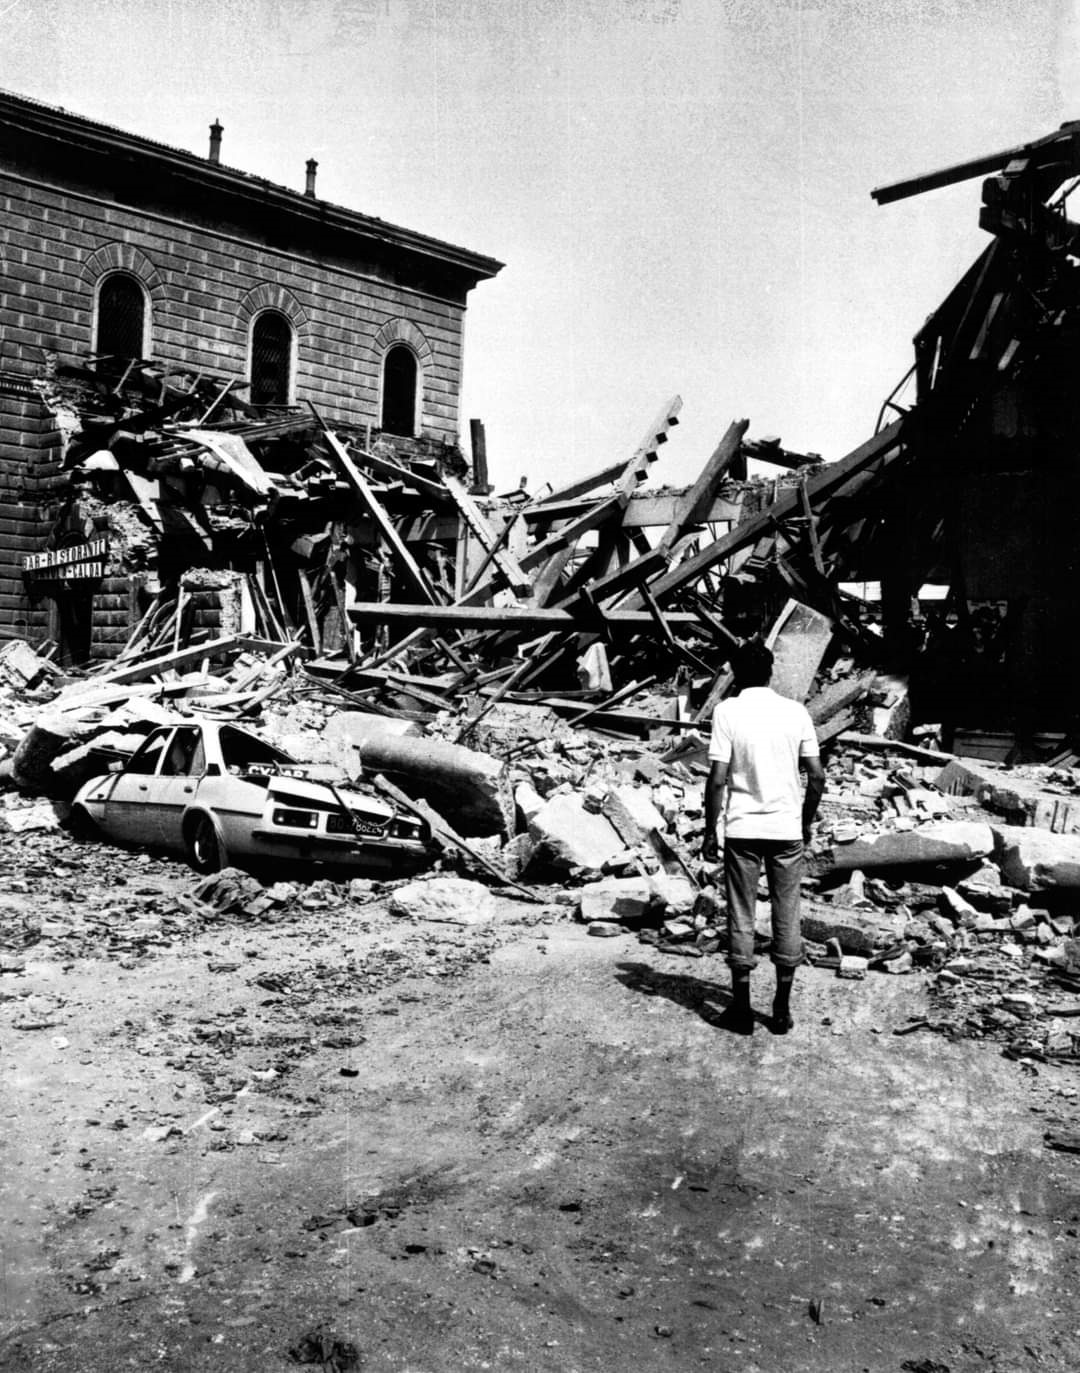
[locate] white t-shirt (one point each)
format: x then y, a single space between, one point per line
762 736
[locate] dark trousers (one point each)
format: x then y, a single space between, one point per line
783 859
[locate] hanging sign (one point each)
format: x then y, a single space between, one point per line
79 561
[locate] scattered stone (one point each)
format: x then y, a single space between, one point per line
1035 859
445 900
858 932
950 841
619 898
954 905
853 967
569 836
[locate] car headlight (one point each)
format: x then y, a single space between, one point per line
297 819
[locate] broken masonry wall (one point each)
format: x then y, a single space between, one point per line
31 450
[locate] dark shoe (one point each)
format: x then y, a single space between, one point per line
780 1024
737 1021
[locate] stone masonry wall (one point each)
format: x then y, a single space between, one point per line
29 462
204 288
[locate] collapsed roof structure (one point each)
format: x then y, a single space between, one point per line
414 587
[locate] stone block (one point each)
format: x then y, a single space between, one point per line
1035 859
619 898
528 800
631 810
445 900
1019 799
947 841
516 854
957 908
853 967
678 896
571 837
858 932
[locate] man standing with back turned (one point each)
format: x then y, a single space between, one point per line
760 741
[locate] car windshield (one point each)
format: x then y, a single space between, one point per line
241 751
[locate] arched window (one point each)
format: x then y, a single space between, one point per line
121 317
271 358
399 391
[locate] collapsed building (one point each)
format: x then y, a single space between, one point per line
232 409
148 295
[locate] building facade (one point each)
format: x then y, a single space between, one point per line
114 245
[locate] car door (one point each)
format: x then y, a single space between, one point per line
127 813
173 789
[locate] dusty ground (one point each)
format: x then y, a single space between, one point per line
518 1148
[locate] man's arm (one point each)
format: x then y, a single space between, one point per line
714 802
815 785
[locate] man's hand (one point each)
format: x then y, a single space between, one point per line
710 850
806 836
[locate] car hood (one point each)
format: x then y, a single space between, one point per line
295 790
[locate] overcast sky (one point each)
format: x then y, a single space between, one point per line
679 188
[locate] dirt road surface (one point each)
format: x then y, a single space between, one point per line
393 1146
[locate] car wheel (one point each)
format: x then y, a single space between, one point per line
80 824
205 851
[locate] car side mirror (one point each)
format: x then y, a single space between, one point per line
116 765
213 770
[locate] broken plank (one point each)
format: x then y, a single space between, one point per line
646 510
134 672
578 488
633 574
633 473
696 502
442 831
385 468
638 720
410 568
824 482
504 560
308 601
877 742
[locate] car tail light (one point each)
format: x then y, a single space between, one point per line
298 819
404 827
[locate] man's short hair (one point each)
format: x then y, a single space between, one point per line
752 664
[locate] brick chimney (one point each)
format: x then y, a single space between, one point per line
312 167
215 141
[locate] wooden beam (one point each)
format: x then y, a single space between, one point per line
625 719
632 574
385 468
824 482
695 503
443 834
578 488
478 442
978 166
491 542
632 474
646 510
513 617
414 575
137 672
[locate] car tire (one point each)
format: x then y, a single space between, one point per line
202 845
81 825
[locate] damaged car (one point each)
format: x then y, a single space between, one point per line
220 795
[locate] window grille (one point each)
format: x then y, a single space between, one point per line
271 359
121 317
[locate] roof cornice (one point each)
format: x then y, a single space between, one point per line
58 125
